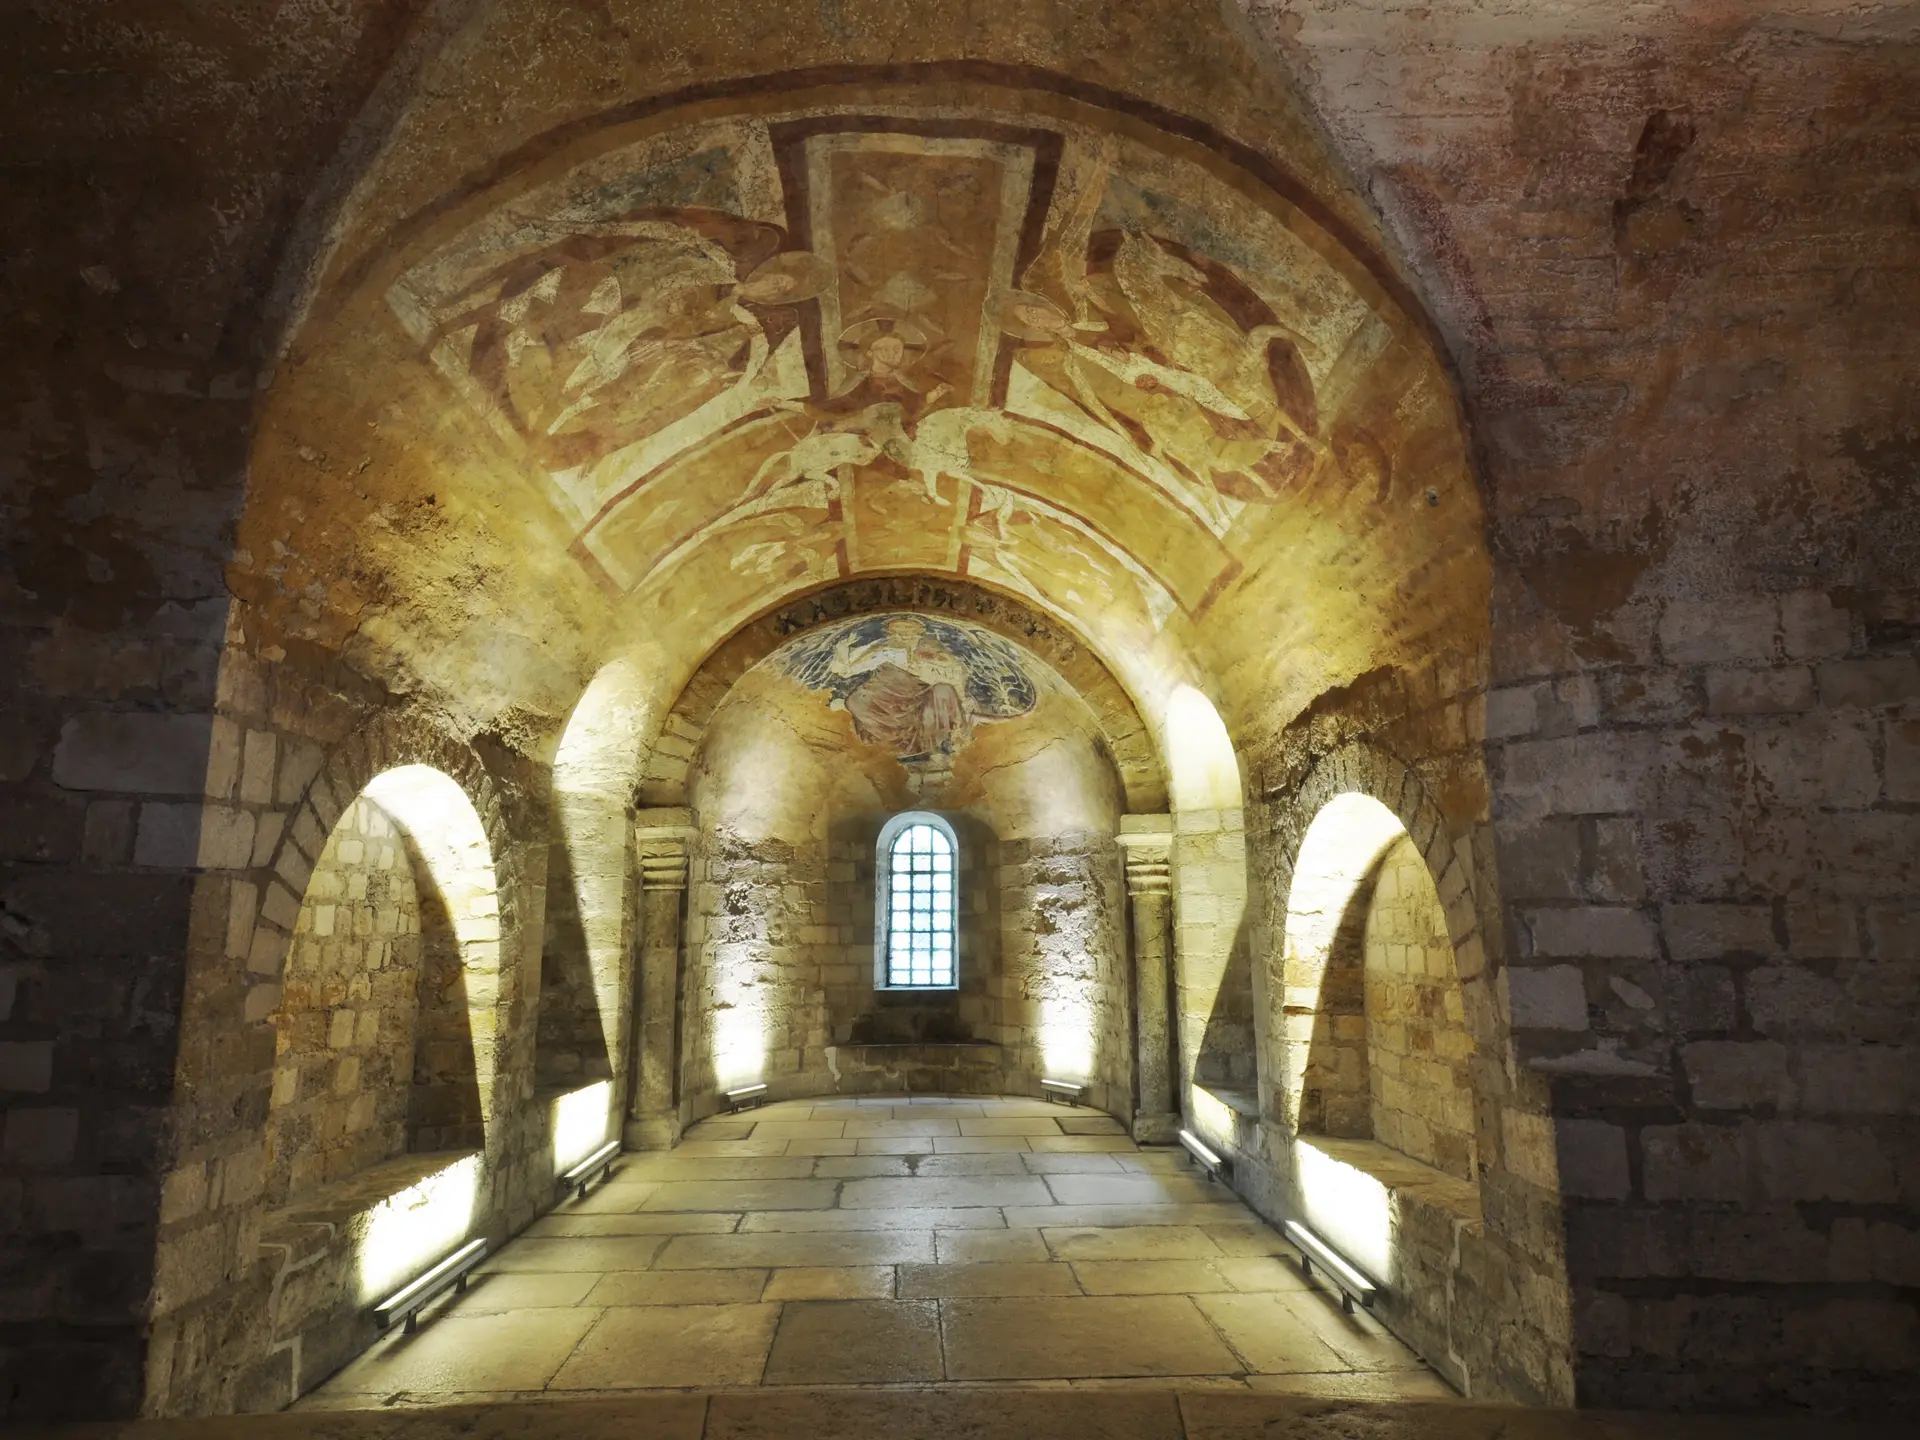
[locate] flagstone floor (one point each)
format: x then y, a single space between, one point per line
890 1241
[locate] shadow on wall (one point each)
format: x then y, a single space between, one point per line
377 1151
443 1105
1228 1060
572 1045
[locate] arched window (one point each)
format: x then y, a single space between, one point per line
919 904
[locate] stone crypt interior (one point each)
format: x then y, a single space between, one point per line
938 720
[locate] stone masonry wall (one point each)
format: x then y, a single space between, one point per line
856 1008
1213 969
1672 252
1066 982
1418 1046
1492 1305
343 1067
752 1003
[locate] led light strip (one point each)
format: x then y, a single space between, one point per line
745 1095
407 1300
1352 1284
1208 1161
1062 1091
581 1176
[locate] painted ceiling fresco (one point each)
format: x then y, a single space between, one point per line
894 709
914 684
790 347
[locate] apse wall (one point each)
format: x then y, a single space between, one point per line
803 763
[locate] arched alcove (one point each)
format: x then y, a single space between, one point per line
1373 991
1213 972
803 764
1391 1102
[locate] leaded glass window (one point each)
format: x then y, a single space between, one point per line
922 928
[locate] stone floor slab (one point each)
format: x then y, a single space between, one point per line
1149 1277
974 1166
1136 1190
642 1223
944 1415
860 1167
587 1252
495 1291
1041 1338
856 1342
831 1282
865 1129
647 1347
516 1350
797 1249
679 1287
953 1193
743 1195
982 1144
1011 1125
1156 1242
956 1282
977 1247
729 1167
1269 1333
977 1217
1041 1162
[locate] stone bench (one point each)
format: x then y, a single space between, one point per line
332 1253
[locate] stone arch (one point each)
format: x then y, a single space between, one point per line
1130 743
390 761
1387 1056
1359 768
1454 1272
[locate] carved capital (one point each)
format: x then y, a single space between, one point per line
660 840
1148 841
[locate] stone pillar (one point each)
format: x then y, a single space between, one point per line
660 844
1148 841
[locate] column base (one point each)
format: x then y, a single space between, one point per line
1155 1127
659 1132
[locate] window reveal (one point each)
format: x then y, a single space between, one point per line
921 909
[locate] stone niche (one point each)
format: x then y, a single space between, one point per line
810 754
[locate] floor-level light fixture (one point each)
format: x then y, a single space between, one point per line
742 1096
1063 1092
583 1174
405 1303
1350 1282
1204 1157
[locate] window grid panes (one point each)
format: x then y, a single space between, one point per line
920 909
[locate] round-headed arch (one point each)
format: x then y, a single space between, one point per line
438 794
1125 734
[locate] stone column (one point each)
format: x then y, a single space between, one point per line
660 844
1148 842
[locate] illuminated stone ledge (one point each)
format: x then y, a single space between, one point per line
1414 1229
326 1258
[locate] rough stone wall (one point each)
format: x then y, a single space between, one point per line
281 779
1418 1047
753 998
1673 254
164 158
1482 1293
1066 984
975 1011
1213 972
343 1066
